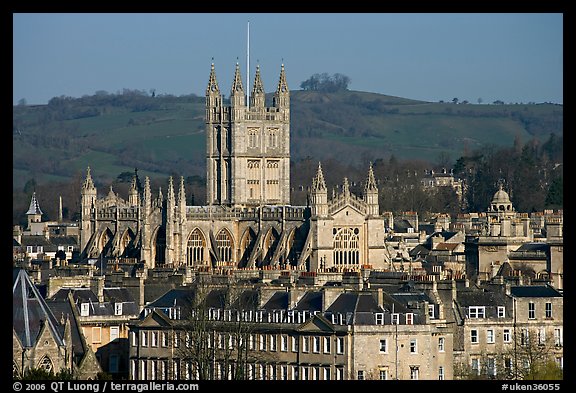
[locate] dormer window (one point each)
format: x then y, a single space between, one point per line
409 318
395 319
379 318
84 309
117 308
475 312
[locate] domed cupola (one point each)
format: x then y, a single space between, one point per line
501 202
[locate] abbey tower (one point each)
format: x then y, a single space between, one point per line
247 146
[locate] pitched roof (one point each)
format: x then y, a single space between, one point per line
34 206
534 291
278 301
30 312
311 301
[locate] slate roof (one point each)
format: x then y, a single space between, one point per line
534 291
111 296
478 297
311 301
533 247
278 301
62 309
174 297
30 312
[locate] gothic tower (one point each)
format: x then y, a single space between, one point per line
248 148
88 201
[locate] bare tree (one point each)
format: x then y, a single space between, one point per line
220 333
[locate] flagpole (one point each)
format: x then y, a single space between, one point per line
248 67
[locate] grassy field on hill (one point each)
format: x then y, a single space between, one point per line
165 135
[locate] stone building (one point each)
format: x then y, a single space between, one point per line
47 335
248 221
298 333
506 237
503 330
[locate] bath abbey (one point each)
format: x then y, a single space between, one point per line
248 221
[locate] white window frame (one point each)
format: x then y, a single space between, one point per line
294 340
507 336
144 338
395 319
383 344
118 308
409 318
441 344
305 344
476 312
548 310
558 337
340 345
531 310
283 343
441 375
154 339
114 333
327 345
379 318
316 344
431 311
413 346
474 337
414 373
84 309
134 338
490 336
361 376
501 312
383 374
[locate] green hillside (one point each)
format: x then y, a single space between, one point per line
165 135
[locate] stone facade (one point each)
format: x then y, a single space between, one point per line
248 221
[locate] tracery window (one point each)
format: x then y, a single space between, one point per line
346 247
195 248
224 245
46 364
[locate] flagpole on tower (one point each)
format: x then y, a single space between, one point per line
248 68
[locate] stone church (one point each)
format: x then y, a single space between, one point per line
248 221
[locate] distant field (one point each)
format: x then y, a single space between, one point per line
161 136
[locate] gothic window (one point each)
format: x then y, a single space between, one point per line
346 247
273 138
253 179
195 248
252 138
46 364
224 245
272 179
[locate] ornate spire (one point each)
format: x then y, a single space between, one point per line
237 84
370 182
258 85
212 82
147 192
88 183
34 206
318 183
181 193
282 85
170 195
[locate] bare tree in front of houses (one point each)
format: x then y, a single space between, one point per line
220 334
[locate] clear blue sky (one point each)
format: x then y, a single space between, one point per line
509 57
